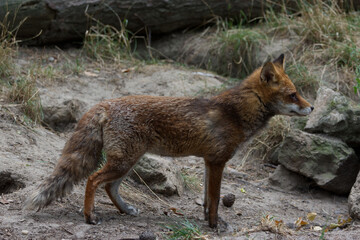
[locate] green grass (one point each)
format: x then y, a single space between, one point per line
19 89
183 229
305 82
320 22
8 46
329 35
23 91
357 81
191 181
236 50
106 43
73 66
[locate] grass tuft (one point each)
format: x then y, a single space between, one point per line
8 45
260 148
192 181
329 35
106 43
184 229
236 49
24 92
305 82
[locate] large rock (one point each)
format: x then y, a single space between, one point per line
289 180
354 199
159 174
331 163
335 115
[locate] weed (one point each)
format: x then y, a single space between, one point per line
357 81
191 181
329 35
7 44
75 67
261 147
322 236
304 81
24 92
184 229
315 23
236 50
107 43
43 73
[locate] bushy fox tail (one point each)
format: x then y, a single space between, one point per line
80 157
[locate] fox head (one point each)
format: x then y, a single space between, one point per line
279 92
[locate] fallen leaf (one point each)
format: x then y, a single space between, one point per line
242 190
127 70
300 223
175 211
90 74
311 216
279 223
3 200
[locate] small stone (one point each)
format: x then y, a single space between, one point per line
24 232
147 235
317 228
291 225
228 200
51 59
199 202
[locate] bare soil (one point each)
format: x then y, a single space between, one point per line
30 153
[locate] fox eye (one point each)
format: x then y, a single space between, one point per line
293 96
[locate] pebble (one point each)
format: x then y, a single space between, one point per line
317 228
24 232
199 201
147 235
51 59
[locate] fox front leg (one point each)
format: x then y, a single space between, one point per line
213 178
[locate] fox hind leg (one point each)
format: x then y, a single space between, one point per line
112 190
106 174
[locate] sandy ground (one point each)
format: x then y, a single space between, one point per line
30 153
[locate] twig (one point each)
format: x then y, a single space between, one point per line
142 180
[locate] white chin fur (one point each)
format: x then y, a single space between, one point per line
294 110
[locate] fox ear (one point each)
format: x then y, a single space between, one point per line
268 73
280 60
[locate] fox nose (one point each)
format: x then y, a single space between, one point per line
312 108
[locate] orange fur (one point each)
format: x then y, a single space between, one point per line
128 127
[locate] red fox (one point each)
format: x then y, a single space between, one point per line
128 127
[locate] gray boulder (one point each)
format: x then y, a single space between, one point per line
335 115
288 180
354 199
160 174
331 163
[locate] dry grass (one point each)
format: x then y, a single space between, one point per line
8 45
192 181
23 91
262 146
18 89
106 43
329 35
238 47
